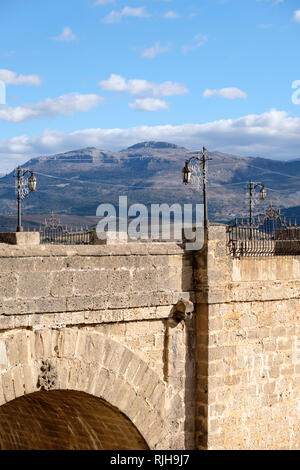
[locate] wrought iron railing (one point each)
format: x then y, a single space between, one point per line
54 233
270 235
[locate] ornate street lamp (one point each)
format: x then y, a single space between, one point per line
32 182
187 173
200 159
262 196
23 188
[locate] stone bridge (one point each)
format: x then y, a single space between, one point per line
99 349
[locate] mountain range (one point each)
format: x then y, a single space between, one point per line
75 183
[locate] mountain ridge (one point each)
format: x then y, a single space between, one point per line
77 181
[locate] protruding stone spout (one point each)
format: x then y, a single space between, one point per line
181 311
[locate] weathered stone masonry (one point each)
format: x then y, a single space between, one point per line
95 320
99 316
248 350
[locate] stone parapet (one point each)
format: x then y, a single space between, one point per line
247 353
126 249
108 238
20 238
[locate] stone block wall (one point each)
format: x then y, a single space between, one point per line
122 292
91 284
228 378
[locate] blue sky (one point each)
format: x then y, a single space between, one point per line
110 73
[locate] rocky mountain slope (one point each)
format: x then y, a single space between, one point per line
76 182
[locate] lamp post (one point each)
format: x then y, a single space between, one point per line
23 188
200 158
262 195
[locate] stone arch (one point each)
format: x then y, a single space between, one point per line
68 420
85 360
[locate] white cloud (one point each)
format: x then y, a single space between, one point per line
8 53
2 93
156 49
297 16
275 2
230 93
142 87
171 15
115 16
103 2
272 134
66 105
11 78
149 104
265 26
198 41
66 35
